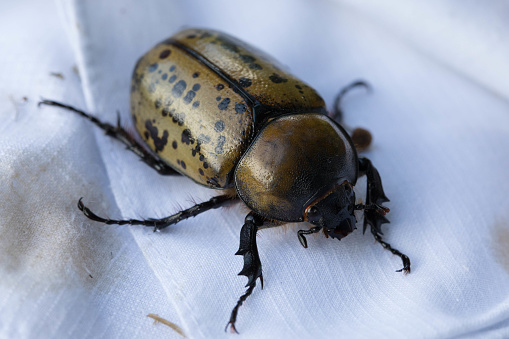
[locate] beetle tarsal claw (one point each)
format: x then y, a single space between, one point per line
232 328
302 239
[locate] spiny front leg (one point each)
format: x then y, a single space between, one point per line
252 266
159 224
374 212
375 196
117 132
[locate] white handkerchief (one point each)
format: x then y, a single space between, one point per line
438 112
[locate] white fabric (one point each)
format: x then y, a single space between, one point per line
439 113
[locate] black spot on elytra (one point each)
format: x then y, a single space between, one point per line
223 105
146 135
240 108
174 144
277 79
196 87
159 143
219 87
196 150
247 58
152 68
159 71
196 104
179 118
298 87
301 92
219 144
183 164
205 165
187 137
218 98
164 54
172 68
196 74
165 111
201 171
179 88
164 76
245 82
202 157
219 126
255 66
172 79
157 103
189 97
191 36
228 45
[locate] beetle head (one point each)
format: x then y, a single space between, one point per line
334 212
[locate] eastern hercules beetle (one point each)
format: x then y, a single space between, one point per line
213 108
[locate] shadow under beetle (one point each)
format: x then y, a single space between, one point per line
212 108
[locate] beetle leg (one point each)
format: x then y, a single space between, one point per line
252 266
159 224
374 211
337 114
120 134
361 137
404 258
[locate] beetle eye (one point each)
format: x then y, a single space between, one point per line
313 211
313 215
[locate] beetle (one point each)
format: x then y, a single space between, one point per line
219 111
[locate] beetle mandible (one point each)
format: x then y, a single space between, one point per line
213 108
